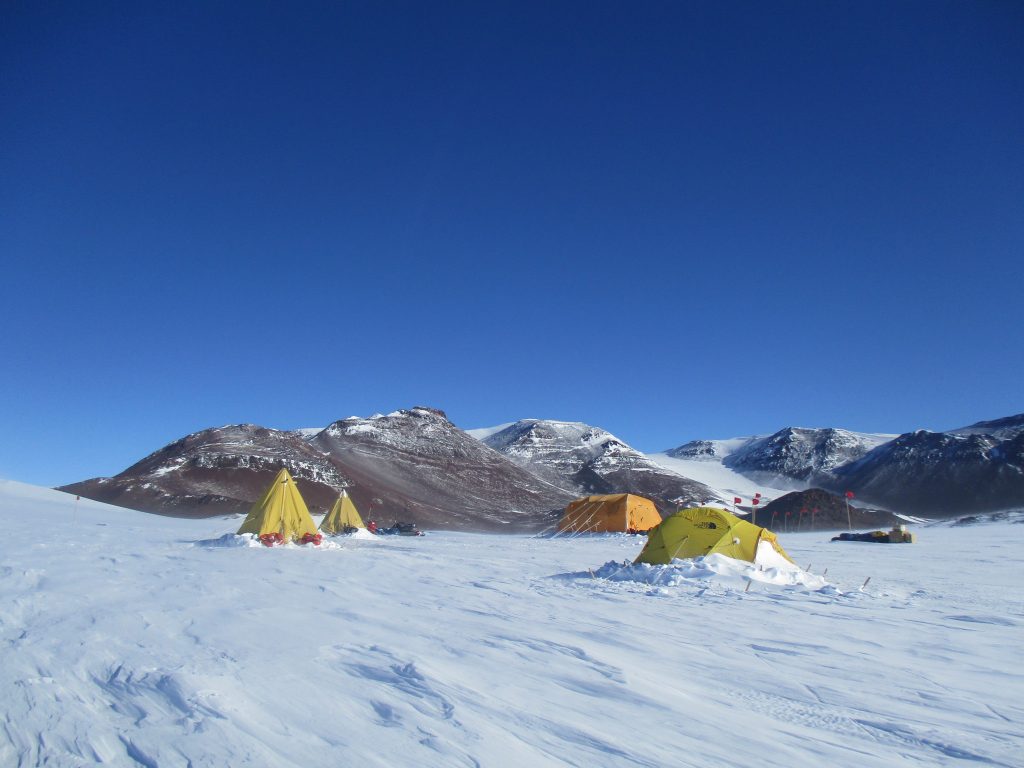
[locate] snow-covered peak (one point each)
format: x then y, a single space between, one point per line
536 437
710 450
1004 429
941 473
215 471
417 411
419 428
587 459
231 444
803 453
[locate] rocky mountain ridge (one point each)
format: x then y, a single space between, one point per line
409 465
587 460
975 468
428 470
216 471
940 473
416 465
802 454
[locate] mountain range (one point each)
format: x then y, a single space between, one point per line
416 465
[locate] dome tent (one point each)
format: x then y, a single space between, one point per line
706 530
617 512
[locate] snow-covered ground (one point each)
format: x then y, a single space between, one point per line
130 639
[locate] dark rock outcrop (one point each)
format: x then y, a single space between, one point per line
817 509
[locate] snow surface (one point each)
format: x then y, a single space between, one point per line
131 639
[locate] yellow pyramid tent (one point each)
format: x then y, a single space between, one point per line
342 515
706 530
614 512
281 510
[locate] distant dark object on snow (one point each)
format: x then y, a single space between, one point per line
898 535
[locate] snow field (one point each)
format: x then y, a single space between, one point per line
135 640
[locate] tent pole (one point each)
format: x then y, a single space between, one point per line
680 546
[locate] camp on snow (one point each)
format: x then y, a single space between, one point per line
706 530
618 512
281 515
898 535
343 517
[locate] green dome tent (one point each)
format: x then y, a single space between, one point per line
705 530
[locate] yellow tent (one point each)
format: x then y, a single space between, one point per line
614 512
281 510
705 530
342 515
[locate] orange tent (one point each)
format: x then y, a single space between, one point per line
617 512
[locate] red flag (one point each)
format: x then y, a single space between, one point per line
737 500
849 494
755 502
757 495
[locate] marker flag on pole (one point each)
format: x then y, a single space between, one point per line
755 502
737 500
757 495
849 494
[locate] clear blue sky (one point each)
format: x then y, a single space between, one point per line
671 220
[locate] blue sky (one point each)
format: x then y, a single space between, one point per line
671 220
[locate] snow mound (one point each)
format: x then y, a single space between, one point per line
362 533
229 541
245 540
716 568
